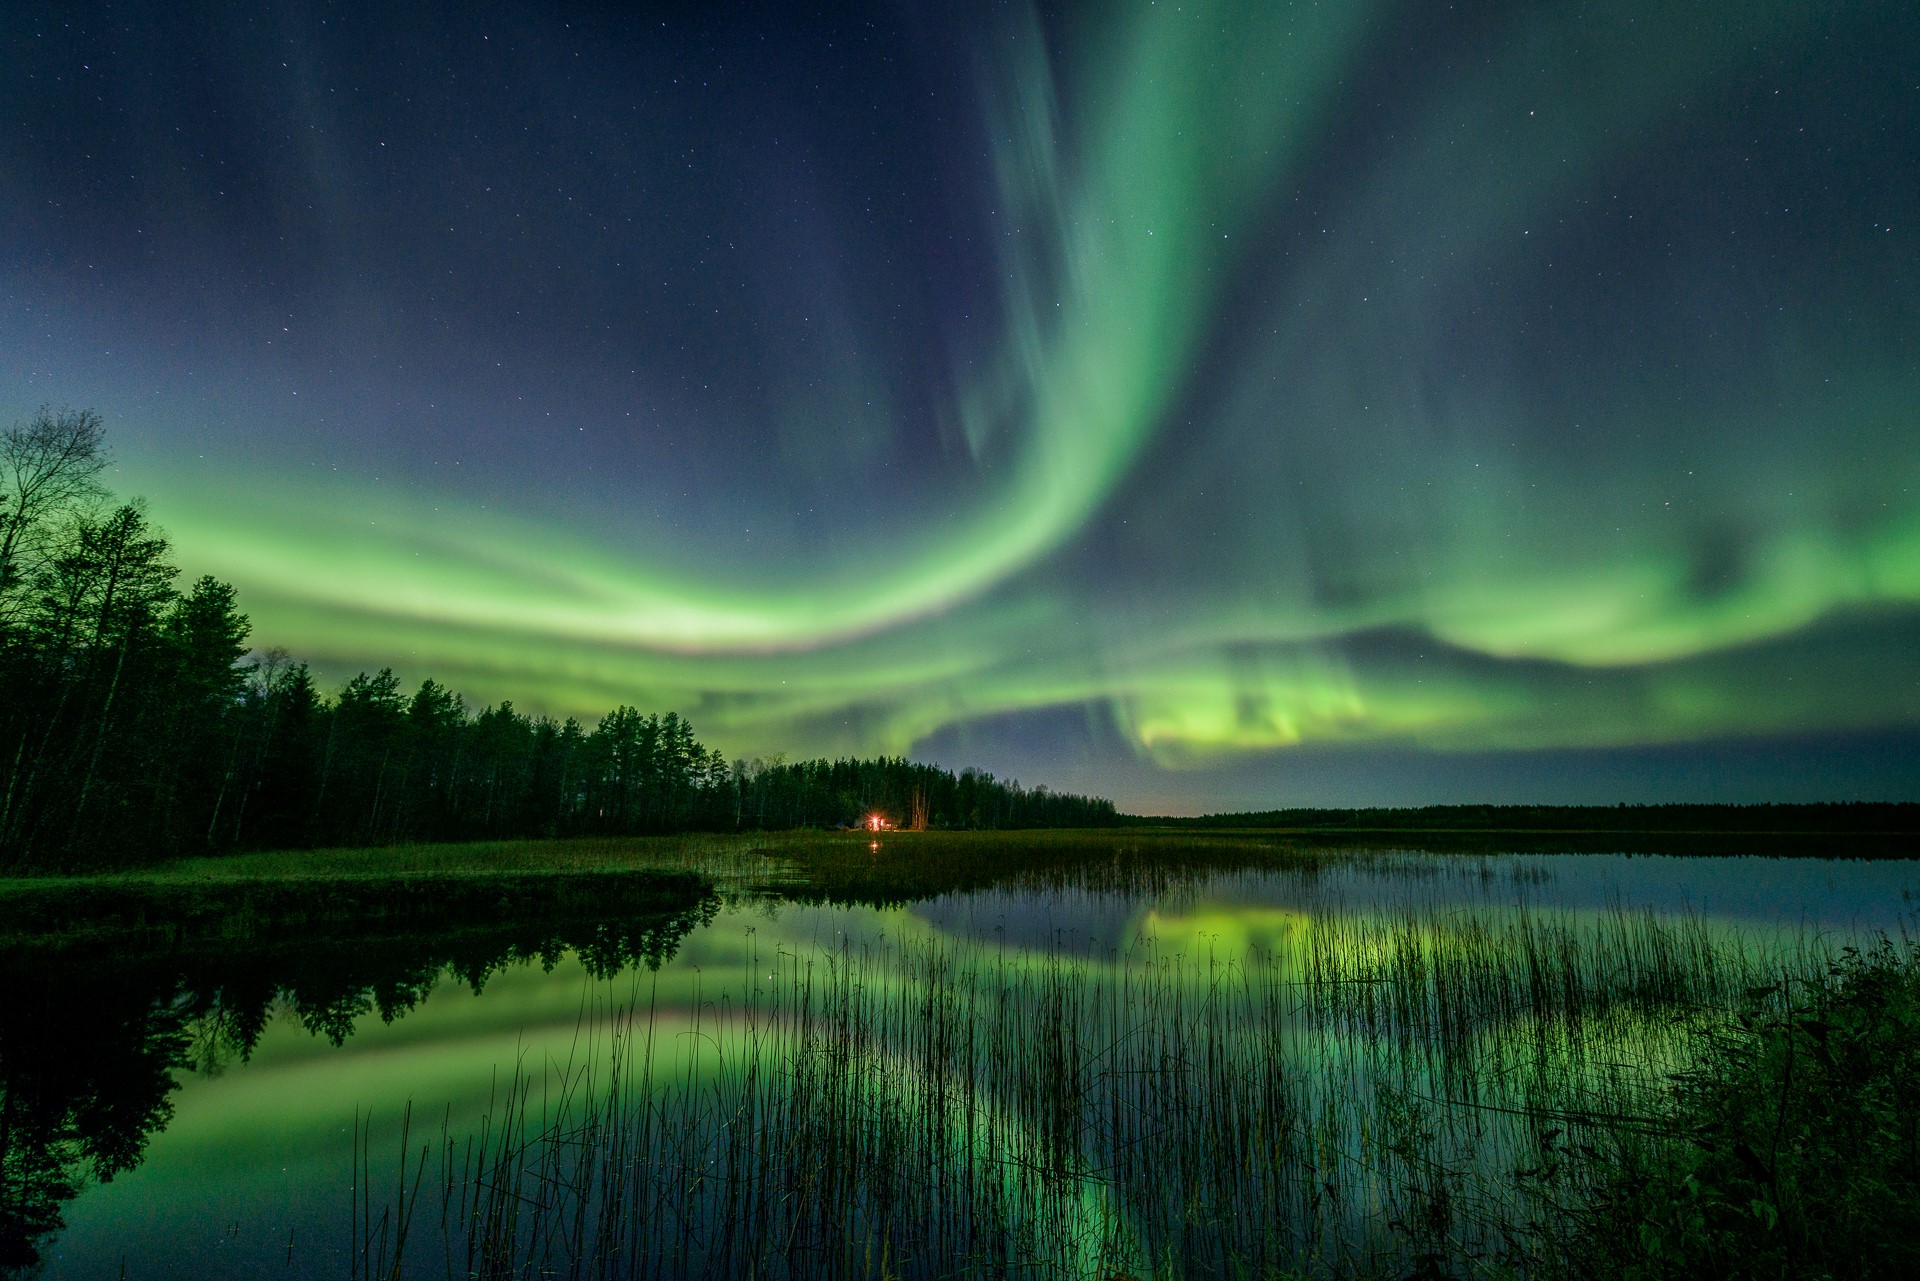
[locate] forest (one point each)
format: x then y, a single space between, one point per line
1827 818
137 722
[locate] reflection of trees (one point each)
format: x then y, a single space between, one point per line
90 1040
86 1064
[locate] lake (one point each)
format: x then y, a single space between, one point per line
1155 1060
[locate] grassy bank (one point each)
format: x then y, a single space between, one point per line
889 867
359 891
298 887
814 865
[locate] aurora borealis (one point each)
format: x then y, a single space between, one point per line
1210 404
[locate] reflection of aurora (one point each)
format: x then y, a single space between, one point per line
1270 447
1295 1011
1214 1091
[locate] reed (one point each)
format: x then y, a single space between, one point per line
1357 1093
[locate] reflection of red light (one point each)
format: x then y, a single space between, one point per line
874 846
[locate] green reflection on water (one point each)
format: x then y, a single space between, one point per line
1346 1014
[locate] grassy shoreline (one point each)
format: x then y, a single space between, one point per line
171 914
688 851
808 863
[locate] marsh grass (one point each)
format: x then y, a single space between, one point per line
805 864
248 899
583 854
1363 1094
242 897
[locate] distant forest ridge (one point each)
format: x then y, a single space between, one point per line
1841 816
136 723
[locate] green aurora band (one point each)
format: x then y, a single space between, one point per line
1322 541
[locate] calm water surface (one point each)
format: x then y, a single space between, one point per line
252 1172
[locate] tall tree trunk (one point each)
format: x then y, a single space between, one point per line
100 736
326 772
379 786
13 786
31 774
259 772
220 797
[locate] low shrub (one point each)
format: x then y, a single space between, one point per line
1790 1148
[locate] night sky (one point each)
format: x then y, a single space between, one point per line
1210 405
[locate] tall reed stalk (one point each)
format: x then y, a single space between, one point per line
1362 1093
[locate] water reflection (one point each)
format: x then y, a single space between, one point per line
1233 1058
94 1035
1331 1070
86 1065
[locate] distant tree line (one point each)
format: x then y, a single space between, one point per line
1839 816
135 722
901 793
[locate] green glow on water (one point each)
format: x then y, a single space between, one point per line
1305 971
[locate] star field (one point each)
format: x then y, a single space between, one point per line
1215 405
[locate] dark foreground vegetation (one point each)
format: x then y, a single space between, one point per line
1788 1147
136 725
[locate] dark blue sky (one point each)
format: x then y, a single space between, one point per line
1214 405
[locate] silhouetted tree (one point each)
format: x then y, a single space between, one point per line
134 724
49 471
